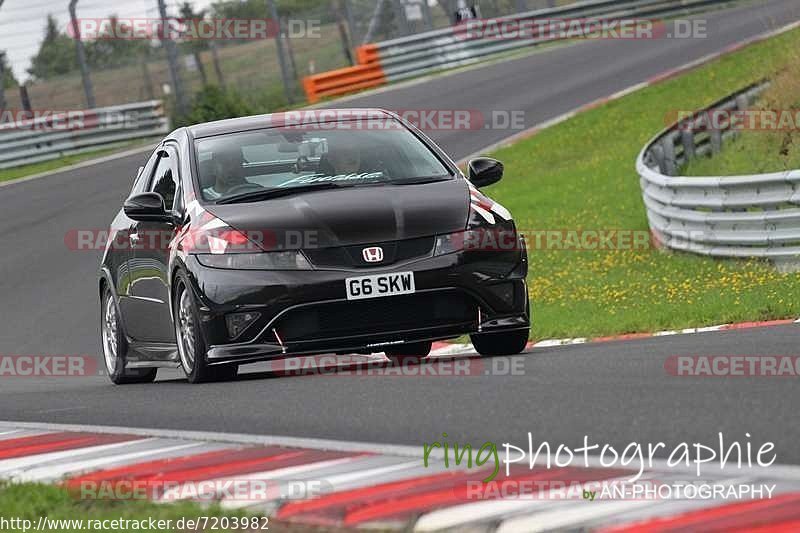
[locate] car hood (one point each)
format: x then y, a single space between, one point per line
358 215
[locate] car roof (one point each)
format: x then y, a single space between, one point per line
288 118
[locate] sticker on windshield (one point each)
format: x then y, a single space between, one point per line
322 178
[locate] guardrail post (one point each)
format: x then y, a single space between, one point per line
687 139
716 140
742 102
668 148
658 155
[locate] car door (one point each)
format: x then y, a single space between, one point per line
149 267
121 247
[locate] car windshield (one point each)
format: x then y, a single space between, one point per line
253 163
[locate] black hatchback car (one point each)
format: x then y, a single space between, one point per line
259 238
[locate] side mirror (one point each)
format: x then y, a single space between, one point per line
483 171
147 206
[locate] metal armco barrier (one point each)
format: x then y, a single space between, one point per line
735 216
415 55
57 134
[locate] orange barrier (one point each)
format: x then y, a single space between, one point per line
342 81
368 73
367 53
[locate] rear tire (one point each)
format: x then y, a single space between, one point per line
115 346
500 343
411 353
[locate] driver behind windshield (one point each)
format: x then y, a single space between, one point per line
342 158
225 169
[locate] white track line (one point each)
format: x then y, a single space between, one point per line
78 467
19 463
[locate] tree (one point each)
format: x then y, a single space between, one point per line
9 80
109 53
56 54
195 45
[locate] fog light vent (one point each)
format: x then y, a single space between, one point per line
238 322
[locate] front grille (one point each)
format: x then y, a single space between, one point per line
350 256
379 315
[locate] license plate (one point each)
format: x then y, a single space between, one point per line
379 285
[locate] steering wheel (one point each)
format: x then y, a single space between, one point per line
244 187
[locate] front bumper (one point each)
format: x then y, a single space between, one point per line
304 312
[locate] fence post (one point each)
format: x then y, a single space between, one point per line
2 78
215 59
25 98
172 59
344 32
287 83
2 83
88 90
400 16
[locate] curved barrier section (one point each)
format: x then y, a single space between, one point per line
471 42
53 134
734 216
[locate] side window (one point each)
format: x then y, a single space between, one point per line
142 180
165 178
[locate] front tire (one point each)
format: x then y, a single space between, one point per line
115 346
192 346
411 353
500 343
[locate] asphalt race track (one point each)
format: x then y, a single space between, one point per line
614 392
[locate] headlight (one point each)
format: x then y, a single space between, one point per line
501 238
289 260
448 244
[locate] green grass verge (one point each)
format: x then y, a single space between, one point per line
580 175
30 501
54 164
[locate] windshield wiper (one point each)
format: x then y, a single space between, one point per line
276 193
421 180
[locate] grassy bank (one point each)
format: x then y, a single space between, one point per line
580 175
55 164
66 513
762 150
31 501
